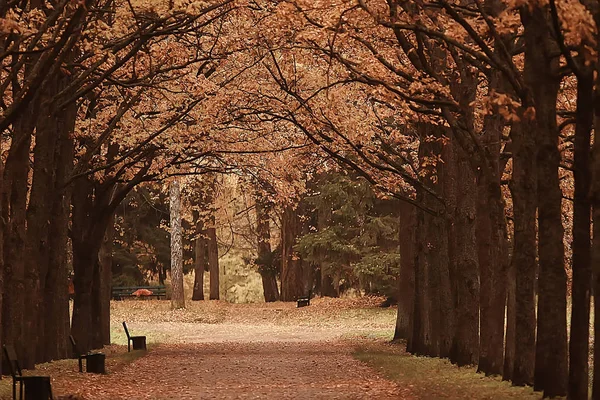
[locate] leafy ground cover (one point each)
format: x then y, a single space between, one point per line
434 378
334 349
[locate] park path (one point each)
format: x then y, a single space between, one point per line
246 370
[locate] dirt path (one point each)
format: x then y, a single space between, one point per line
274 370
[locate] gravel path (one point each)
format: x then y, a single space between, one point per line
274 370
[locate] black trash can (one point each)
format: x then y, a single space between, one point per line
95 363
37 388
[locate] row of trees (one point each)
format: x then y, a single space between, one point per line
97 98
477 115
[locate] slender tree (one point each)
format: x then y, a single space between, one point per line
177 295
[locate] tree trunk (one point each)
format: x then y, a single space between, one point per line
523 189
101 290
213 261
420 343
492 249
450 185
406 280
200 259
85 256
177 297
48 130
15 199
542 77
595 203
85 265
292 285
268 273
3 217
579 347
56 293
465 346
511 320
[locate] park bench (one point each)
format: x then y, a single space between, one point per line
94 361
138 342
304 300
121 292
36 387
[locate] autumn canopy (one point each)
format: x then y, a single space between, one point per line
439 152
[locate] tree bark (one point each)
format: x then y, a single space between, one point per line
101 290
2 228
86 239
268 273
200 259
511 320
579 347
406 279
420 339
492 255
55 318
213 261
450 187
177 296
523 189
15 199
292 285
465 346
542 78
595 203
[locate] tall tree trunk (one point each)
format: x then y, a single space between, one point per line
101 290
492 247
465 346
3 218
406 279
292 285
213 260
48 129
523 189
55 318
177 297
268 272
200 258
542 77
450 185
579 347
447 323
15 199
420 339
595 203
85 262
511 320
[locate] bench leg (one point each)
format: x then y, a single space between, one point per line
80 364
128 345
50 390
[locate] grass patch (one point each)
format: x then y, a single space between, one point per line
434 378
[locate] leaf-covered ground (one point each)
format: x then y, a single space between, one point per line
216 350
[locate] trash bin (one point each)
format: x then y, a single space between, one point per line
139 342
95 363
37 388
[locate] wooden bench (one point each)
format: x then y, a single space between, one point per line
36 387
121 292
138 342
303 301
